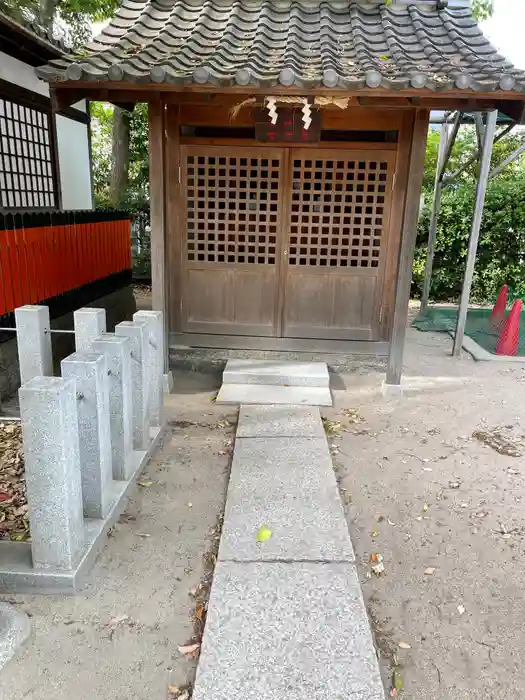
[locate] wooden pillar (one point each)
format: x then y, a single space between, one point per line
157 173
173 216
406 249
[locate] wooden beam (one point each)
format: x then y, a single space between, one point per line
194 88
157 212
406 249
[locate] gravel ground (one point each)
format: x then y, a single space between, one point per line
445 511
120 638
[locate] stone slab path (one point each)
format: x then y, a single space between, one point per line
286 618
275 382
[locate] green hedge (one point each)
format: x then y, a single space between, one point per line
501 252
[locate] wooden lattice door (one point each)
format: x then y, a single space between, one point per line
233 244
336 243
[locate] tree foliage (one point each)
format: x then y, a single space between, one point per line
501 252
74 17
136 194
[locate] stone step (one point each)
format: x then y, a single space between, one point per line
267 394
287 484
294 631
276 373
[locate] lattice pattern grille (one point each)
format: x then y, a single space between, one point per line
338 212
232 213
27 170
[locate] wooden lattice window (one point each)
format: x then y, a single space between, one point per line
338 212
232 209
27 169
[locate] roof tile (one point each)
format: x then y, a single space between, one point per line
347 44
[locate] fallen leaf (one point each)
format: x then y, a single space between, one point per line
429 571
404 645
189 648
397 681
175 689
425 507
263 534
145 484
375 533
461 609
199 612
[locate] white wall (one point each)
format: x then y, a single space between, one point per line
72 137
73 155
14 71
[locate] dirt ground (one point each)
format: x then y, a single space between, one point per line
446 512
119 639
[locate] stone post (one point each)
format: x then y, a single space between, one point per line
156 361
90 372
117 352
89 324
137 333
48 408
34 342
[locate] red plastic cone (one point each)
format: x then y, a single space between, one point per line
509 338
497 317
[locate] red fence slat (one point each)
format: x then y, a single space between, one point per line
41 262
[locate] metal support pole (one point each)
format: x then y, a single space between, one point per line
436 204
481 189
510 159
475 156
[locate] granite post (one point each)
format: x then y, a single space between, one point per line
34 342
117 351
48 409
156 361
89 324
90 372
137 333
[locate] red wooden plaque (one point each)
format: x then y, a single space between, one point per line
289 126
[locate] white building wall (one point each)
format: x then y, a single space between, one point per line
14 71
73 155
72 137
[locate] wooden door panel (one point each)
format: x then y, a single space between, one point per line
336 242
240 302
330 306
232 252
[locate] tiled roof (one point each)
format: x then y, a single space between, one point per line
347 44
54 40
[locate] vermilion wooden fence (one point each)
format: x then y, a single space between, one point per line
45 255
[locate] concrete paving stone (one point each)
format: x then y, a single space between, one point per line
15 629
262 394
279 421
276 373
295 631
288 485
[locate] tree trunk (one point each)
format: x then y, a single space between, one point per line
120 157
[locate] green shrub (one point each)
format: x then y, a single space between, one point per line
501 252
